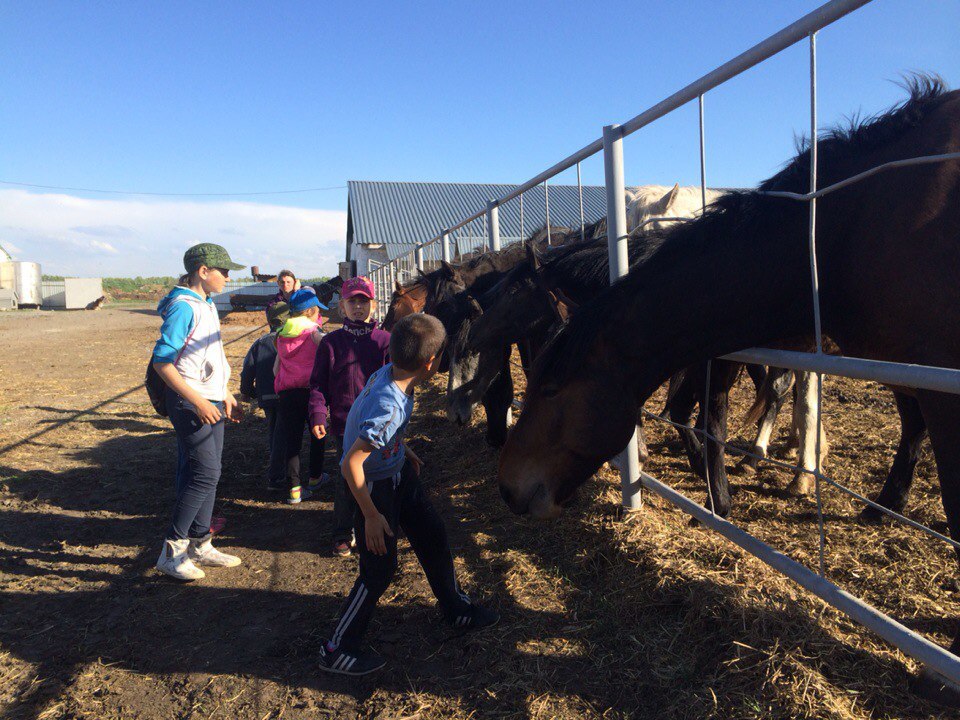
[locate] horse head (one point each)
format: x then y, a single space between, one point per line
578 412
406 300
471 371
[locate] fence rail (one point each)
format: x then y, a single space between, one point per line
900 374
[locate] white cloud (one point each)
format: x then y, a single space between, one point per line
77 236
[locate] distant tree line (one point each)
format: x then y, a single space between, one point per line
146 284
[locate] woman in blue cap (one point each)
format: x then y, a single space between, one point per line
296 350
189 358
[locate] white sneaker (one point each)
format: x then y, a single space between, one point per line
175 562
202 552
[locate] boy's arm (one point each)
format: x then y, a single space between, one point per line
375 523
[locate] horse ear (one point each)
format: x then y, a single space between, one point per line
667 201
474 310
397 286
448 270
532 256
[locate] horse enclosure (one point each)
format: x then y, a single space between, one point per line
633 480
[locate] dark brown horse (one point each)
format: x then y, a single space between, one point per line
888 248
534 299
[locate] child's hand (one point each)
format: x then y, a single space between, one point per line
319 432
208 412
415 462
233 409
374 531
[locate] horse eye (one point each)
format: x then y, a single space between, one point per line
550 390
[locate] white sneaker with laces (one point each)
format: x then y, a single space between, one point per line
175 561
202 552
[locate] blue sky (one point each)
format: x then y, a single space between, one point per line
237 97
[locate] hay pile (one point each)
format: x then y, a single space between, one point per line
604 615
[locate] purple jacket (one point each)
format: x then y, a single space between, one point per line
346 358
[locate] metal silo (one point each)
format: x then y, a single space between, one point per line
27 283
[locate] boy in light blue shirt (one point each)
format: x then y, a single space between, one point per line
389 496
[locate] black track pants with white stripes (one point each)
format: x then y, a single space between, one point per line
404 505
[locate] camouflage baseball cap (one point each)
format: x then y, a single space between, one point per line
211 255
277 314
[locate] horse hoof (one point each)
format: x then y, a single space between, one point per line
744 468
932 686
801 486
871 516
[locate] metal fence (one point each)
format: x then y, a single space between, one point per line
931 378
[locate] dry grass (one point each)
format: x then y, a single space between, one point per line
604 615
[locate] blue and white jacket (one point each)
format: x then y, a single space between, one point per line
190 339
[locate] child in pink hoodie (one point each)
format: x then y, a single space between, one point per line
296 350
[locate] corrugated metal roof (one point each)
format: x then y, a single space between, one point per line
401 214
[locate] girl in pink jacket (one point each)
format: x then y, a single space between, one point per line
296 350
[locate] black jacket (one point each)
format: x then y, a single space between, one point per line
256 377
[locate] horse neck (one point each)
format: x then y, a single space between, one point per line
712 293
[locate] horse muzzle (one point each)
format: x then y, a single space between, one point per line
537 504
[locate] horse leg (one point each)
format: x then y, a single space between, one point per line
680 409
757 373
722 376
897 485
793 434
805 411
674 384
775 388
496 403
942 415
643 452
527 355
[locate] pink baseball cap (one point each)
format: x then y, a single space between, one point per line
357 286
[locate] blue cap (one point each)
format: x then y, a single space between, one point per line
303 299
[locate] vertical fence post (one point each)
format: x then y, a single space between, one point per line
418 253
619 265
493 226
705 401
546 209
445 245
580 194
522 234
815 284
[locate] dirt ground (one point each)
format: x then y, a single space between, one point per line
604 615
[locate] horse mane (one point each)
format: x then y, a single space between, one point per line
733 213
846 143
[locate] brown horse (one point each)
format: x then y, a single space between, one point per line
887 247
406 300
